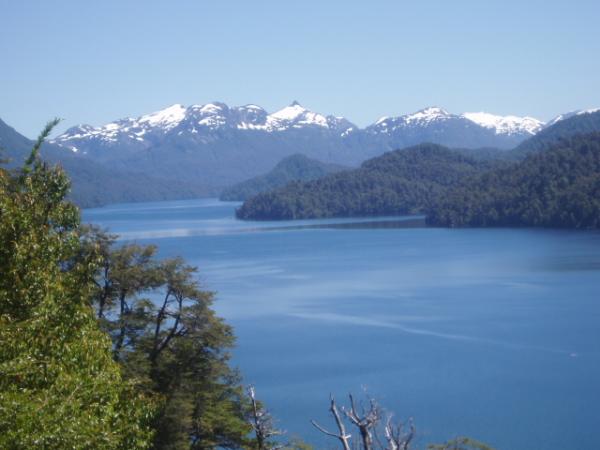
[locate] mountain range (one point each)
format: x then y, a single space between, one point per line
200 150
223 145
93 183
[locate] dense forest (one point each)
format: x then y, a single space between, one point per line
105 346
552 180
558 187
296 167
400 182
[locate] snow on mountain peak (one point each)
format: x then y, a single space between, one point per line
428 114
505 124
431 116
168 118
212 108
295 116
433 110
568 115
588 111
422 117
203 120
251 107
289 113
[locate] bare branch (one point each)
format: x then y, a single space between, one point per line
262 423
343 437
365 424
396 437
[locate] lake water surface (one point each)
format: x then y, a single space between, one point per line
491 333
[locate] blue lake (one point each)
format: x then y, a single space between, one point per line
490 333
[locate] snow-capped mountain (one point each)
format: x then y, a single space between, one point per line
197 119
223 144
206 119
508 125
468 130
570 114
501 125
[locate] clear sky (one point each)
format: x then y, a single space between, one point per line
95 61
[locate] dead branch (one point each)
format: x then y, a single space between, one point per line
365 423
397 438
342 436
262 423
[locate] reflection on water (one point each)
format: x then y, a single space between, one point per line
490 333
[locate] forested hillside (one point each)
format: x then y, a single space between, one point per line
462 187
400 182
293 168
579 123
558 187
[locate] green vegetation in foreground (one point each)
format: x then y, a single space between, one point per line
174 345
66 291
293 168
400 182
558 187
89 361
59 386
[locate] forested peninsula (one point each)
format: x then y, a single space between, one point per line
404 181
556 186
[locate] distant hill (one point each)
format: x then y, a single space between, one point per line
556 187
579 122
200 150
400 182
223 145
95 184
293 168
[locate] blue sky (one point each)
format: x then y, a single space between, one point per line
92 62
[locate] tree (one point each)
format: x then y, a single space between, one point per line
165 333
369 425
396 435
461 443
262 423
59 386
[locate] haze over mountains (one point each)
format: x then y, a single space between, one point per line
224 145
94 183
200 150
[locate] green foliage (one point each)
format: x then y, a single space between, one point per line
293 168
399 182
460 443
296 443
59 387
166 334
558 187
